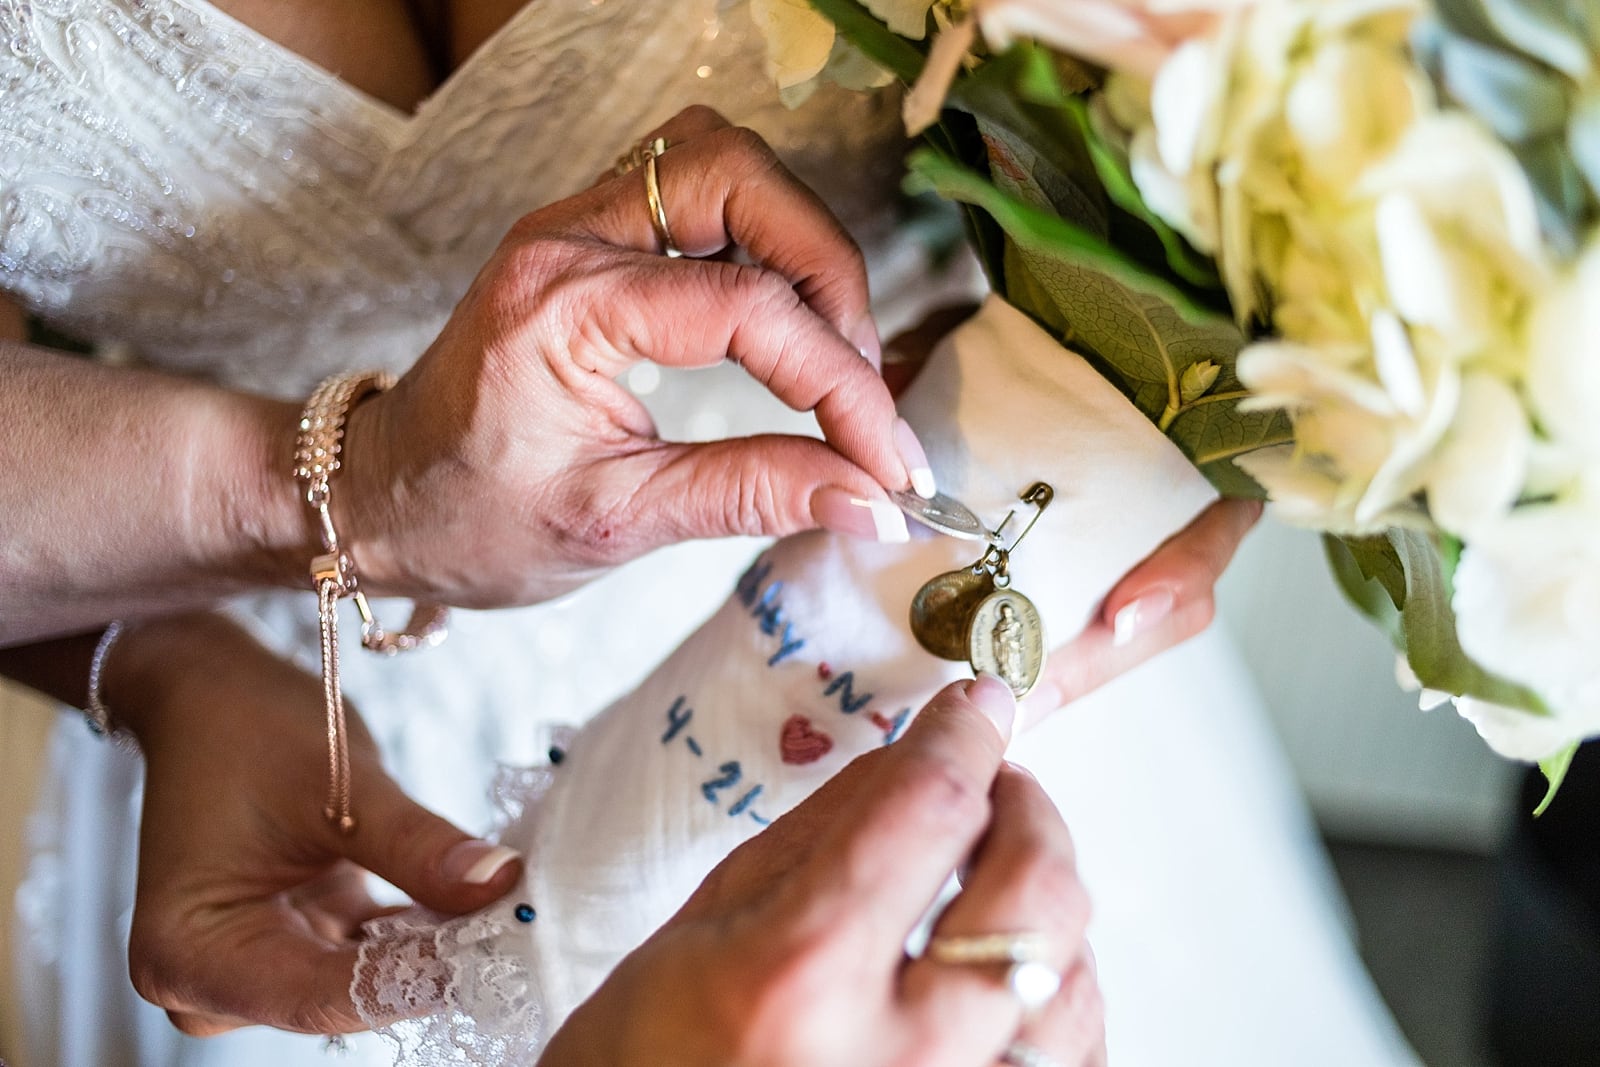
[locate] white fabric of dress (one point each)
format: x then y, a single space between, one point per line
173 182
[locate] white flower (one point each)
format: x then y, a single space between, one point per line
1563 376
1131 36
1527 604
803 49
799 39
1514 732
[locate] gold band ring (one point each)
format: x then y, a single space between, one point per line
652 191
1024 947
1030 976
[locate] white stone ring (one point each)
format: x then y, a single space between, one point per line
1018 1054
1029 975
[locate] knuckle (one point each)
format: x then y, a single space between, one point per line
747 146
753 507
190 1025
702 116
150 968
946 794
1053 878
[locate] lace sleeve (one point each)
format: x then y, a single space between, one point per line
809 663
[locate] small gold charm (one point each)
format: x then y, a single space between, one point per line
941 612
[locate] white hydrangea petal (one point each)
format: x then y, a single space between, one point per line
1527 605
1105 32
1417 270
1286 374
1407 468
799 39
1479 469
1514 733
908 18
1563 374
1182 99
1397 363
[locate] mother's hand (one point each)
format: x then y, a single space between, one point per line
792 952
509 465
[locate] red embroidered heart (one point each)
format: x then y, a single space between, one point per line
801 742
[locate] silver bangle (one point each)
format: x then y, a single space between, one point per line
95 712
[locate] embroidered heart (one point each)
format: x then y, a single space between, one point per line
802 742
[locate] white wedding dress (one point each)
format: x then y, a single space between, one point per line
175 183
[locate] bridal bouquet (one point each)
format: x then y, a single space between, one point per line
1341 252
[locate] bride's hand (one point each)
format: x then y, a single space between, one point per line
510 465
792 952
1162 602
248 902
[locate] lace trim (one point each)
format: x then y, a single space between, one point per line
464 990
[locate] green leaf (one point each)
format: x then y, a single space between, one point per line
1429 627
1370 596
1519 101
1112 168
1140 331
1583 141
1555 772
1379 562
877 42
1197 380
1044 233
1039 140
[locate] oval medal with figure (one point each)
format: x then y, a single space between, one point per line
1006 638
941 612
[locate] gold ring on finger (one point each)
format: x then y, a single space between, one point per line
1030 977
652 192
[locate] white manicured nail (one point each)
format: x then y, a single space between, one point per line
1141 615
477 862
915 459
874 520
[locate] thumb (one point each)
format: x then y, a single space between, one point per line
424 856
767 485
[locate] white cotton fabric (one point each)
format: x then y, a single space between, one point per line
177 183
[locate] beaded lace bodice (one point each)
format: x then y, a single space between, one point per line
171 179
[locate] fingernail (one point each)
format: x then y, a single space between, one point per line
865 338
915 459
477 862
843 512
1141 615
995 699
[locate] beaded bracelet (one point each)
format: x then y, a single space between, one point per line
333 574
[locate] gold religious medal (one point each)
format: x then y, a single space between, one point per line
1006 635
941 612
1006 638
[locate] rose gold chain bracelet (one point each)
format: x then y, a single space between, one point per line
333 574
